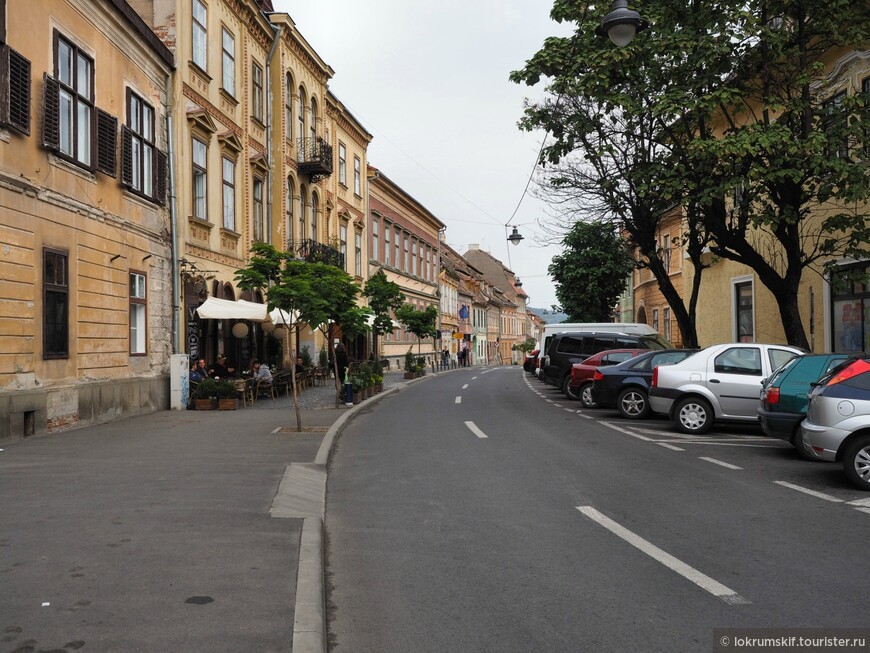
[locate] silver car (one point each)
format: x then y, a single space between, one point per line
837 426
721 382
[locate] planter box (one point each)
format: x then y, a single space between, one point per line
410 375
205 404
228 404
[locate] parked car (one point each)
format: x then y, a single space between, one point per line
626 386
580 386
837 426
530 360
721 382
784 395
565 349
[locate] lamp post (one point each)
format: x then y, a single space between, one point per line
621 24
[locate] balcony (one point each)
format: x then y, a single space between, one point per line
315 158
314 252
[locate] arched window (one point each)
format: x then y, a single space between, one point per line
288 107
300 112
314 207
289 213
312 121
303 196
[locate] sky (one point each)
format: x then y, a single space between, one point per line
429 81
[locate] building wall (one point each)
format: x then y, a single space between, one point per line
100 227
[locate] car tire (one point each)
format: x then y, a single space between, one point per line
585 393
693 415
633 403
856 462
566 389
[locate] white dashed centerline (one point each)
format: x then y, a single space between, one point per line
465 387
458 400
473 428
686 571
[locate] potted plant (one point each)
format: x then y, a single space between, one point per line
378 380
410 367
227 396
357 384
205 395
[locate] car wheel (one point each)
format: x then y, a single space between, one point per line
633 403
567 391
693 415
586 399
856 462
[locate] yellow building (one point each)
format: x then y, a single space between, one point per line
85 303
407 250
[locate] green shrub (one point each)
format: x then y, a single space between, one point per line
206 389
409 360
323 357
306 357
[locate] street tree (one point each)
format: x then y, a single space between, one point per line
317 294
763 155
419 321
384 297
591 271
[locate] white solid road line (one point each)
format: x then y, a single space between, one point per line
719 462
627 432
458 400
819 495
689 573
473 428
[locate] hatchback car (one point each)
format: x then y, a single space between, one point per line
626 386
837 427
531 360
721 382
784 395
580 386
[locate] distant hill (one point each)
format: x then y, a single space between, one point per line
547 315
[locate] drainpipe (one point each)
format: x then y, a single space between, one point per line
173 224
269 184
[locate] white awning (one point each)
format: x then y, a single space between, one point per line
224 309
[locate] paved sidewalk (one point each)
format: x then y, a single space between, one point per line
155 534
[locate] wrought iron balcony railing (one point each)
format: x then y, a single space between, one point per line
314 157
315 252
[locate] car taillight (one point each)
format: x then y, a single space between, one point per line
655 379
856 368
771 396
597 376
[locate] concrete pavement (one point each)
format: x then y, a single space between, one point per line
176 531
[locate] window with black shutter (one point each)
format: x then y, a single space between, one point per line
14 90
50 112
107 143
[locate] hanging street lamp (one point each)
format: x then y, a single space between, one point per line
621 24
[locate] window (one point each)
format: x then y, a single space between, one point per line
414 258
74 77
834 124
429 274
357 176
666 252
303 198
865 116
342 164
744 318
406 259
342 243
315 205
55 320
228 67
138 143
200 34
739 360
667 320
14 98
300 112
312 121
228 173
375 253
257 91
289 212
138 314
655 324
288 108
358 253
387 252
850 307
398 262
258 209
200 179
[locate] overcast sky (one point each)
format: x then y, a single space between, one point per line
429 80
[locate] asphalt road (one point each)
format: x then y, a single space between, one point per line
481 511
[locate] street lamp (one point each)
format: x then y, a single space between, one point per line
621 24
515 237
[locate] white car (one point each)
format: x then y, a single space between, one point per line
721 382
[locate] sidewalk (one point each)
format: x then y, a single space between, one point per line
155 533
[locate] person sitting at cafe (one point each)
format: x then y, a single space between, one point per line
197 374
220 370
260 372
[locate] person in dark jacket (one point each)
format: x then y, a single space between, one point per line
341 361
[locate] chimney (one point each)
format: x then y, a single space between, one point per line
473 246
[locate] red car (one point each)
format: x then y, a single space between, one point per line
581 373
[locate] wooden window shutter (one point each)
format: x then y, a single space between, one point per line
19 92
107 143
126 156
51 113
160 172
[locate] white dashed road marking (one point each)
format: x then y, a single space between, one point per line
465 387
473 428
813 493
458 400
689 573
669 446
719 462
